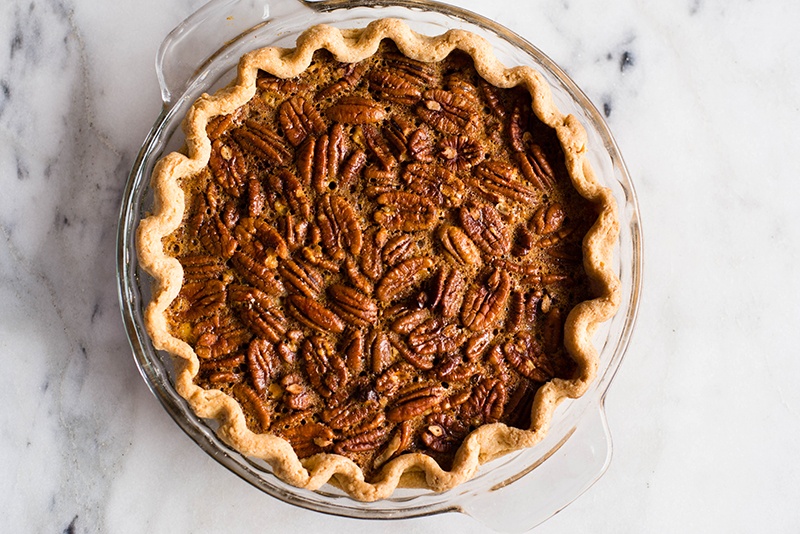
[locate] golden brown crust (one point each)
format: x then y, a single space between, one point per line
486 442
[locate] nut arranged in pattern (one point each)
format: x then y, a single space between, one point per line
379 257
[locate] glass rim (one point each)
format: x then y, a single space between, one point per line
156 376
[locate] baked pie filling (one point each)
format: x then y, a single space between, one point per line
378 259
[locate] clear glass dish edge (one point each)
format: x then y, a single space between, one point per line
157 378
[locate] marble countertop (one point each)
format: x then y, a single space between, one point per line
703 97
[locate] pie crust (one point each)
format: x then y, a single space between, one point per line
412 469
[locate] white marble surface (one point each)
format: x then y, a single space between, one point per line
703 97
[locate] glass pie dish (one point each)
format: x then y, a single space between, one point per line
515 492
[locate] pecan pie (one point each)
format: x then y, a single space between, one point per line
381 259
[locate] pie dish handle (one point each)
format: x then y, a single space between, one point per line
187 49
521 503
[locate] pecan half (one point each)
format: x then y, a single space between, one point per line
352 76
550 240
286 349
260 239
486 403
401 441
433 337
258 311
356 110
523 309
491 95
223 378
477 345
339 227
434 182
221 124
457 83
448 112
325 368
447 292
352 305
416 401
378 146
350 415
256 273
535 168
260 139
452 368
501 178
380 180
443 432
369 440
299 118
518 408
215 236
286 184
406 320
354 351
313 314
483 303
302 277
201 267
405 211
320 159
460 152
315 257
306 436
422 361
398 249
497 362
420 145
516 311
296 394
486 228
262 364
525 355
396 131
400 87
547 219
269 83
424 72
256 199
394 378
261 411
228 166
218 336
518 125
380 349
229 213
221 365
352 167
371 253
523 242
202 299
372 349
459 247
356 277
402 278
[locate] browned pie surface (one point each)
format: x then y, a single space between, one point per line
379 257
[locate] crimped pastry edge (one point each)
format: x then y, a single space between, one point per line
486 442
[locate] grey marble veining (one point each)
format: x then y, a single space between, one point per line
704 99
60 321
